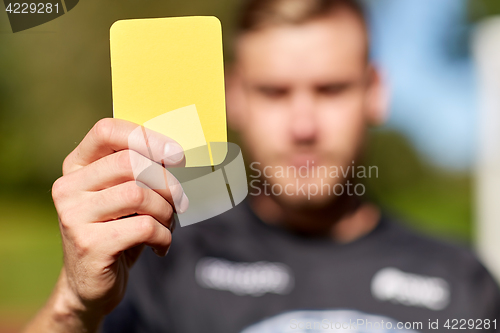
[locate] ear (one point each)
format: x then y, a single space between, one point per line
235 98
377 98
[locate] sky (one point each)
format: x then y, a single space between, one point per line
422 47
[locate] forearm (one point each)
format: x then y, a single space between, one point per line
63 313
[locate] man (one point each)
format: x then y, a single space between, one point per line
301 95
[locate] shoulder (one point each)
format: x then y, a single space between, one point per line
466 276
416 247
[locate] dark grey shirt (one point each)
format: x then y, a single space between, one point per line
234 273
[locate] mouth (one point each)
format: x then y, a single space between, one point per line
307 160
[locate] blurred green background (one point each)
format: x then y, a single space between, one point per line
55 83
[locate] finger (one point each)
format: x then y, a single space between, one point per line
127 199
117 168
123 234
112 135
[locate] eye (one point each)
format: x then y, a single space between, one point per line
273 92
333 89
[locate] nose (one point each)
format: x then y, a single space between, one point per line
303 122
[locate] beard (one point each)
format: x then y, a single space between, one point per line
306 188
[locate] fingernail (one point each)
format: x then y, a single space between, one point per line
156 251
160 254
172 225
183 205
173 152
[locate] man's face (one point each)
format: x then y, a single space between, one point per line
303 90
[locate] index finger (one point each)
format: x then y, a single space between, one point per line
110 135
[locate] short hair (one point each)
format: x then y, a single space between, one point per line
259 14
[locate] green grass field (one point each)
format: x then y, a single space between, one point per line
30 255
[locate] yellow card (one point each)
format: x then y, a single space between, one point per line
173 65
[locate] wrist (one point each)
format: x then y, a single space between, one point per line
68 309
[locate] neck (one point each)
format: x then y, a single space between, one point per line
344 220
